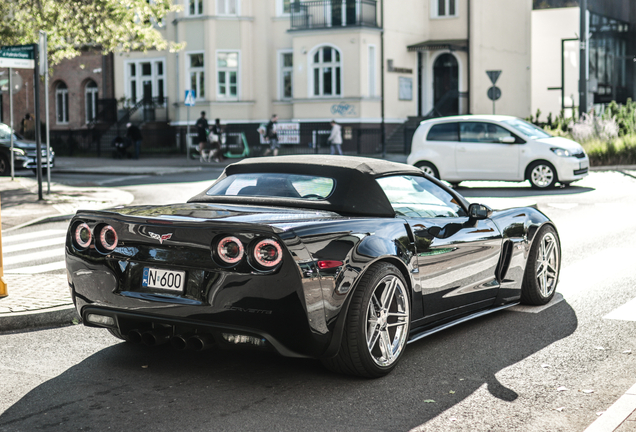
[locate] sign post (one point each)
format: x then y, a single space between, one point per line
44 70
189 101
494 92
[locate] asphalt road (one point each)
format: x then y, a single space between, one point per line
546 369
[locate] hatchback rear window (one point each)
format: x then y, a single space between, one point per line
444 132
274 185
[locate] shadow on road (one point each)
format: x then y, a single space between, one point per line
132 387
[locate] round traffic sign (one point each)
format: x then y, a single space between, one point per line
494 93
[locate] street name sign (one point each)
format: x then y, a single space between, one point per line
17 56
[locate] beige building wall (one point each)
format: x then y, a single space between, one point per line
549 26
260 34
500 39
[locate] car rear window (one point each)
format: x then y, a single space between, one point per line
274 185
444 132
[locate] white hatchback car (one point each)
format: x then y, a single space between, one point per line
495 147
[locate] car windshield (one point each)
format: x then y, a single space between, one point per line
413 196
528 129
274 185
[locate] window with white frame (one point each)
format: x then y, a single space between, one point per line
444 8
325 70
61 103
145 79
227 7
196 72
194 7
227 67
90 100
286 75
283 7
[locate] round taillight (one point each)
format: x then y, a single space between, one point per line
230 250
108 238
83 235
267 253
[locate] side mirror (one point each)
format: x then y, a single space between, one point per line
508 140
479 211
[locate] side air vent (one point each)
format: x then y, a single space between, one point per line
504 261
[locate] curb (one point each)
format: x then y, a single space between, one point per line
52 317
42 220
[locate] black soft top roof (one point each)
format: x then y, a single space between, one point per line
356 192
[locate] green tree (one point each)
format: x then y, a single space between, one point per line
71 25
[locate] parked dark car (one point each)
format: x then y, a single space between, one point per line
342 259
24 152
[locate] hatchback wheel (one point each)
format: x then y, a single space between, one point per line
428 168
542 175
377 327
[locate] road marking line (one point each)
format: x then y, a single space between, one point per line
34 245
43 268
615 415
28 236
18 259
627 312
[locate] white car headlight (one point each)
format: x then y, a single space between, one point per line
561 152
19 151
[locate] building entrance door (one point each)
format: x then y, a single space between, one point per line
446 85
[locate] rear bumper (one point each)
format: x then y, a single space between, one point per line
269 306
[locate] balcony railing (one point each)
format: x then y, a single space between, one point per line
322 14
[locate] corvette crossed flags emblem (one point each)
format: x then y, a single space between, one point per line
160 237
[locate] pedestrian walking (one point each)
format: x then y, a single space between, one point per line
216 138
134 135
202 136
27 127
272 136
335 138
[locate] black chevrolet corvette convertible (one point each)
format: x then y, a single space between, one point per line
342 259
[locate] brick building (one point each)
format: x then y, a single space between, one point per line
77 90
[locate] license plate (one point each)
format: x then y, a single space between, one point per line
169 280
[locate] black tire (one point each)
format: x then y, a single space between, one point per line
542 268
117 334
428 168
542 175
5 165
389 322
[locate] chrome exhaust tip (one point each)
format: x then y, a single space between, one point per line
200 342
179 342
134 336
155 337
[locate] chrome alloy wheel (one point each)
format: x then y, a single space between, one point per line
428 170
542 176
547 267
387 320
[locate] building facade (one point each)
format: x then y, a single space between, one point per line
364 63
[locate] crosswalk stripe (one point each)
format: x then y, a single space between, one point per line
28 236
627 312
43 268
18 259
34 245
